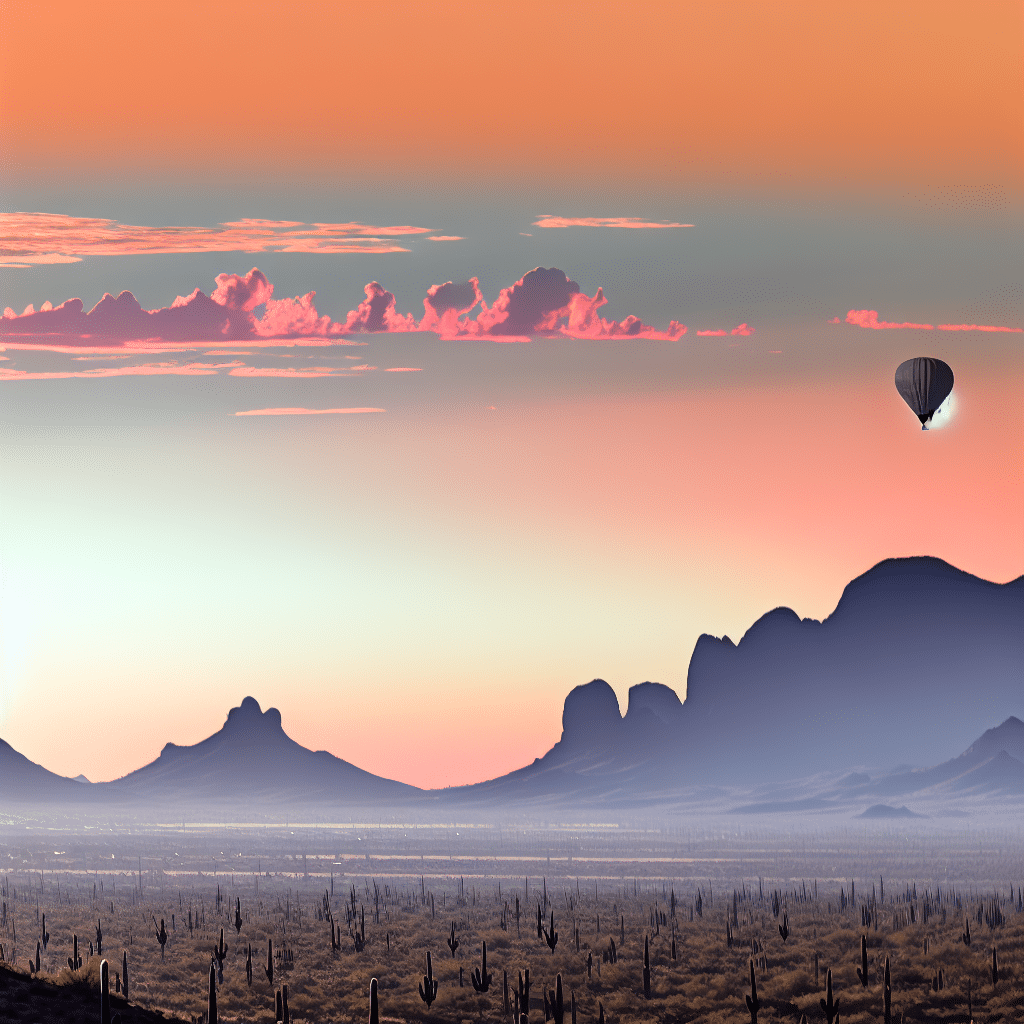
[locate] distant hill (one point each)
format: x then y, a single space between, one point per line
251 757
24 781
249 761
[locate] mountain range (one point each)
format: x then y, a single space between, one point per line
916 654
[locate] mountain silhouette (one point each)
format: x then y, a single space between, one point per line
916 657
251 757
878 682
994 763
24 781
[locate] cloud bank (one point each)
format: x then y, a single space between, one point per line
59 238
543 302
548 221
869 318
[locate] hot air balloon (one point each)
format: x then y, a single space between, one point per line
924 384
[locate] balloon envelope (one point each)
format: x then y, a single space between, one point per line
924 384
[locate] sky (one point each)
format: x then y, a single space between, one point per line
406 365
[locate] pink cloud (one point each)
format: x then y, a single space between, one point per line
59 238
743 330
302 412
445 238
447 305
238 292
547 221
376 313
711 334
306 371
979 327
142 370
834 320
403 369
544 301
869 318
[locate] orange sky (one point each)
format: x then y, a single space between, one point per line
928 91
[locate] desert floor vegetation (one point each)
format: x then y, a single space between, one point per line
307 913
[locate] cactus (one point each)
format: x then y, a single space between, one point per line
238 916
248 964
554 1000
277 1006
753 1003
359 936
506 1002
647 970
995 968
551 937
284 1004
523 993
887 996
99 938
966 935
46 934
600 1012
104 993
428 986
540 924
829 1006
269 969
220 951
862 971
784 927
124 975
75 961
453 943
480 978
38 963
161 936
374 1014
212 1013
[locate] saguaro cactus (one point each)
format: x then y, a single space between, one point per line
75 961
753 1003
551 936
829 1006
453 943
213 996
124 975
104 993
480 978
99 938
374 1014
555 1001
523 993
647 969
966 935
862 971
248 964
428 986
269 969
995 968
238 915
220 951
784 927
887 996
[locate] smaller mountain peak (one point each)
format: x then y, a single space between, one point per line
82 778
660 700
777 618
590 714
